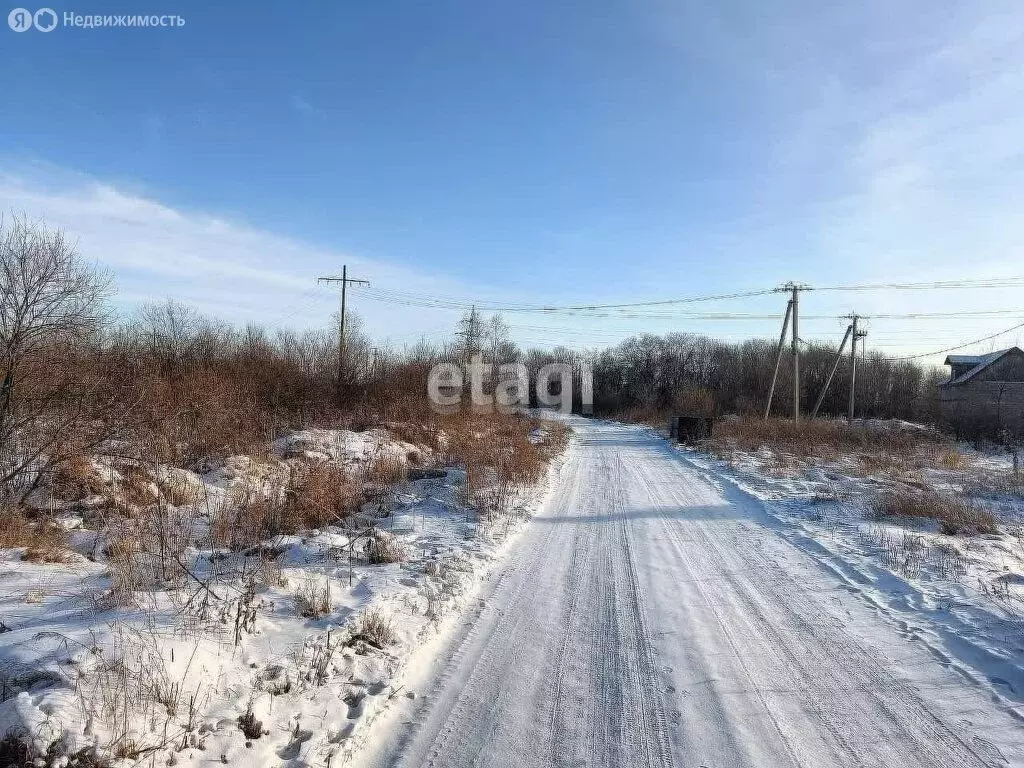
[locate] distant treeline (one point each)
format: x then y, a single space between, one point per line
181 387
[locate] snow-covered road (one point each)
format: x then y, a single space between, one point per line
651 615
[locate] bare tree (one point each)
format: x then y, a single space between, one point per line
52 305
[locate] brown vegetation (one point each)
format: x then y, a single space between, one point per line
652 376
43 540
812 438
319 495
954 514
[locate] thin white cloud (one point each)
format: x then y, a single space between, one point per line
302 105
231 270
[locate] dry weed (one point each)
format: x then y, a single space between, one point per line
321 494
313 601
43 540
383 547
373 628
954 514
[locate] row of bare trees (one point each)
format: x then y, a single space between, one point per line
696 374
181 387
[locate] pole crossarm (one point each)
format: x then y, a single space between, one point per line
345 281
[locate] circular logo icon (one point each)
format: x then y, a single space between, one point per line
20 20
45 19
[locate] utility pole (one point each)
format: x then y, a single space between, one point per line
854 317
796 354
793 312
344 280
778 359
472 333
828 381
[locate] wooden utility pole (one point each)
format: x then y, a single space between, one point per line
792 312
344 280
828 381
796 352
778 359
853 364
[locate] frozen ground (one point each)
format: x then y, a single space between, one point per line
260 657
662 609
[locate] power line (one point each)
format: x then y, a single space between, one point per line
443 302
1002 282
960 346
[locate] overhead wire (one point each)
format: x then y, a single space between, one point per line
960 346
624 310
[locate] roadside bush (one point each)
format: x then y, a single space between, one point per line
321 494
44 541
807 438
382 548
954 514
373 628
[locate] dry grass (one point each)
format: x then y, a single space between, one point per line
44 541
179 491
313 600
137 486
954 514
498 454
952 459
321 494
385 469
382 548
810 438
244 524
76 478
373 628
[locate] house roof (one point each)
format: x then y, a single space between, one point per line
979 362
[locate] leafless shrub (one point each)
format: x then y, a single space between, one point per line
321 494
373 628
954 514
383 547
313 600
44 541
56 403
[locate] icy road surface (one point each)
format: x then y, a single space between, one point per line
651 615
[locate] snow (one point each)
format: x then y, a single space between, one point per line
657 611
645 605
77 668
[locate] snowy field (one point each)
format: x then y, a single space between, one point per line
961 596
643 605
280 653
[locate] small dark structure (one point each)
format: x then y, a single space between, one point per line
984 396
687 429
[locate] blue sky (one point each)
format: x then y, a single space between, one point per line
557 151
